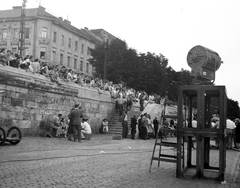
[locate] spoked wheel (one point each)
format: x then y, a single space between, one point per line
2 136
14 135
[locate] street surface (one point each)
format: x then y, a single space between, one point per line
100 162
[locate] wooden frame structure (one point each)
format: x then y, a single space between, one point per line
202 96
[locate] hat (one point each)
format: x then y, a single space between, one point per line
2 50
84 118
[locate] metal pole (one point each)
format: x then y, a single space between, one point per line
105 60
22 46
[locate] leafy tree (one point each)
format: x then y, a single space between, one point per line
145 71
233 110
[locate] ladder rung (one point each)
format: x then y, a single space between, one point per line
169 144
170 156
163 159
170 116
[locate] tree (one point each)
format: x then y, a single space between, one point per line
233 110
145 71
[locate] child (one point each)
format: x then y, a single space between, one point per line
63 125
105 125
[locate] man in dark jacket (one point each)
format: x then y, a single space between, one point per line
133 126
76 116
156 124
124 125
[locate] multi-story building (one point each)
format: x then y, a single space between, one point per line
49 37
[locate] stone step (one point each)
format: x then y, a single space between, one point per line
114 132
115 127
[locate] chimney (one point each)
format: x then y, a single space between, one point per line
17 8
67 21
85 28
61 18
41 8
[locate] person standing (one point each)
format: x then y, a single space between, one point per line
237 133
120 102
124 125
140 127
155 125
144 127
76 115
133 126
70 127
230 125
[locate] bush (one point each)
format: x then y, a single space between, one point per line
45 124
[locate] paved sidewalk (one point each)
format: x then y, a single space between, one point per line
100 162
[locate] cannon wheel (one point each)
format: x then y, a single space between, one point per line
14 135
2 136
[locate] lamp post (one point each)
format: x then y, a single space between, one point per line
21 48
105 57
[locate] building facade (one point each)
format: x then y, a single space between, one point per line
49 37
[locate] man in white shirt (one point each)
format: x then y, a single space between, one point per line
86 128
230 125
194 123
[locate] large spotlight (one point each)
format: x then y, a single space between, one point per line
204 63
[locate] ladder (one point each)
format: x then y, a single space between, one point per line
160 142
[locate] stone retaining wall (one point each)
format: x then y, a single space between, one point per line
30 98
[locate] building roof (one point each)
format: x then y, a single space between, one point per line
31 12
15 14
97 36
102 33
91 35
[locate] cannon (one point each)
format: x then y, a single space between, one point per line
204 63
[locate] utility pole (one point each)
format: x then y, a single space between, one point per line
22 28
105 58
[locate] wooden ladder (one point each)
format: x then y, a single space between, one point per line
160 142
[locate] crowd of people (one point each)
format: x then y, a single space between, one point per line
125 97
61 74
232 132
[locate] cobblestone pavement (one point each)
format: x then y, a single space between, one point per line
100 162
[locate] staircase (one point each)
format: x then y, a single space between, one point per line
115 127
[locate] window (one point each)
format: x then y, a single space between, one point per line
69 43
62 40
75 63
54 36
16 33
68 61
44 32
4 34
81 65
42 52
26 51
54 56
76 45
82 50
87 68
14 50
61 59
26 34
88 51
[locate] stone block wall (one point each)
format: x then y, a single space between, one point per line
29 98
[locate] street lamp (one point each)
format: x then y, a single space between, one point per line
105 57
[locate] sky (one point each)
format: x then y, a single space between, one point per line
167 27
